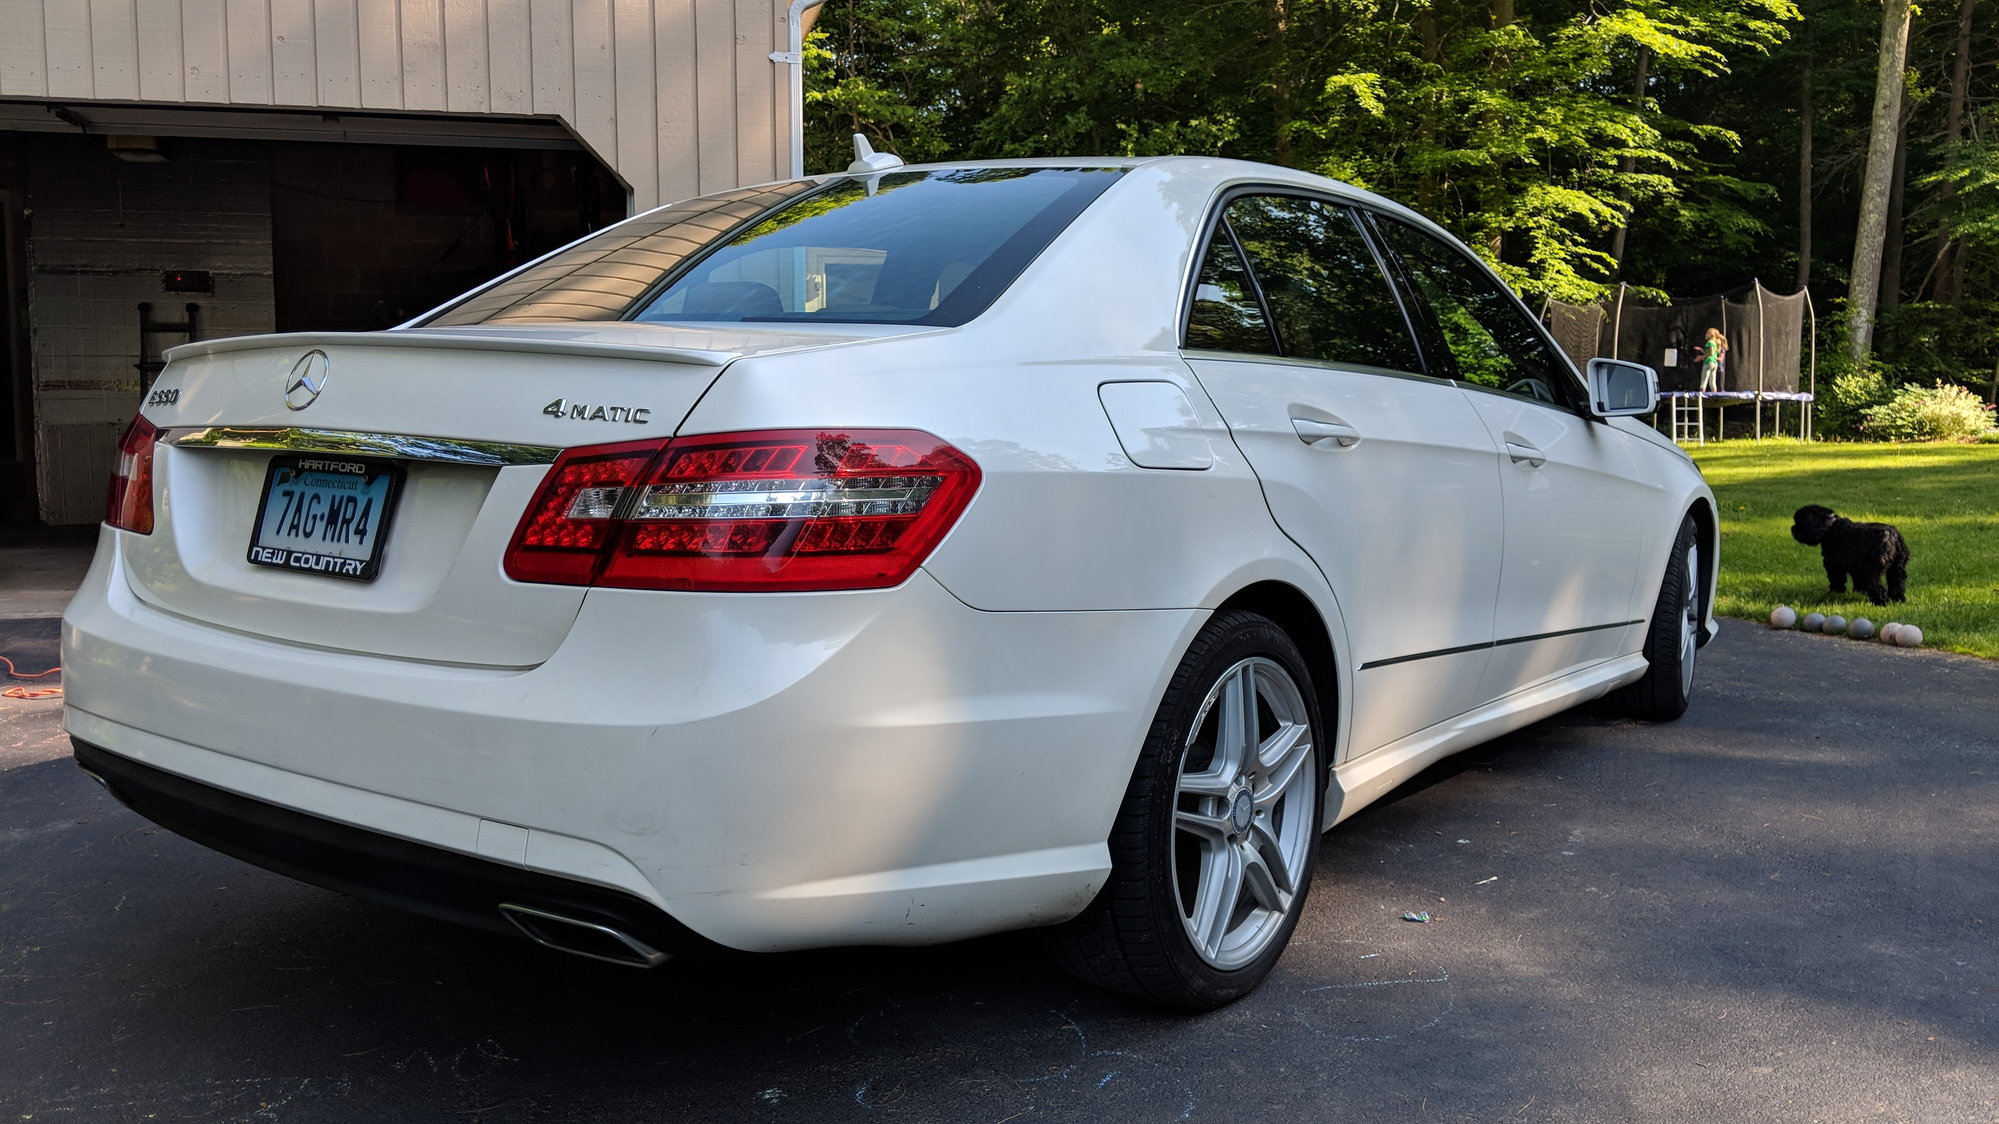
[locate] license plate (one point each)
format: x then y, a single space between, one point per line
325 515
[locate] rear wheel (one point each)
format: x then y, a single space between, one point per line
1213 848
1672 640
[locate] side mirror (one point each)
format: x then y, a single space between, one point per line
1618 389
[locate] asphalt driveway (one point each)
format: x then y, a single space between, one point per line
1783 907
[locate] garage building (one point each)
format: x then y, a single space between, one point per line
187 169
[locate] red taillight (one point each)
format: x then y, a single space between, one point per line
782 510
129 506
561 538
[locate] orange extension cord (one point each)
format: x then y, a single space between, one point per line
29 692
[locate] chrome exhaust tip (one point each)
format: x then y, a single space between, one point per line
582 938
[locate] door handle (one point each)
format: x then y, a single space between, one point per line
1312 432
1535 458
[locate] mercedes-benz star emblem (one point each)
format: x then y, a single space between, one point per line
307 379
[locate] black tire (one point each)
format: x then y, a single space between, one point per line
1672 638
1240 842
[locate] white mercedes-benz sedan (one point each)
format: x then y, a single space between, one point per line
888 557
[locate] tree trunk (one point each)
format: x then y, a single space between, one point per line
1630 163
1891 245
1429 187
1502 16
1873 225
1805 124
1948 268
1281 111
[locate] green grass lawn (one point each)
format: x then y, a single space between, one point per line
1945 498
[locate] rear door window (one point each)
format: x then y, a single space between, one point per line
1226 315
1325 290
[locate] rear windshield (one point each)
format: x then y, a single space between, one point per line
900 248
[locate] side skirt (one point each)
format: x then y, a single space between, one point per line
1360 782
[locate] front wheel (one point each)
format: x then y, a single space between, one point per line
1213 848
1672 639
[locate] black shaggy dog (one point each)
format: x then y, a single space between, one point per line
1865 550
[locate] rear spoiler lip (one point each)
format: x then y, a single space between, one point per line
571 339
454 341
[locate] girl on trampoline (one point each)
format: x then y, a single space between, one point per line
1712 352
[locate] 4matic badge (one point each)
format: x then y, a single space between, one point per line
581 411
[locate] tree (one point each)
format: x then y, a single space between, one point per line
1872 229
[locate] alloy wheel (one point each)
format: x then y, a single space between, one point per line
1690 620
1245 812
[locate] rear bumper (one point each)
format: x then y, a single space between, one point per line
771 771
412 876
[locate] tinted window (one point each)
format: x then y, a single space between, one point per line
602 276
1320 279
1225 316
906 248
1492 341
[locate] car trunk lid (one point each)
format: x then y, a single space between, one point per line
466 421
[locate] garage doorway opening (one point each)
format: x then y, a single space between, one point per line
365 237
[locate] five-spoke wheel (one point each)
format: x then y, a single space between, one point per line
1213 848
1672 639
1240 842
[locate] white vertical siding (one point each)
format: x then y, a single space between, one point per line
634 71
379 24
679 114
204 50
423 54
294 62
596 80
552 56
66 38
24 48
466 76
678 96
248 27
336 40
162 65
507 57
114 49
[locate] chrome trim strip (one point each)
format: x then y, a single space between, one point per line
287 439
1496 644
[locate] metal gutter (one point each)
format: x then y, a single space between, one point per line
794 23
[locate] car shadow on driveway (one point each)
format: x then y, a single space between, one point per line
1780 907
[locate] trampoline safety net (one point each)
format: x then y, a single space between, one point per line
1767 348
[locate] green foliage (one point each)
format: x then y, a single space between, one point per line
1972 210
889 69
1943 412
1928 341
1524 139
1523 126
1844 402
